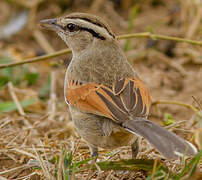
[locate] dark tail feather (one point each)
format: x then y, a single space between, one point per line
166 142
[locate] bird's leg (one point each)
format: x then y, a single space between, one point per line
94 155
93 151
135 148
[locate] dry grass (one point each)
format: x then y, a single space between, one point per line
37 137
42 145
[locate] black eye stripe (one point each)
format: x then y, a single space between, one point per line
93 22
72 28
95 34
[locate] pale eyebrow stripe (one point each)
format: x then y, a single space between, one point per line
93 22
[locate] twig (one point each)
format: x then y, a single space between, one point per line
92 163
10 143
60 166
179 104
15 99
158 36
42 165
175 125
53 97
195 23
26 177
43 42
197 102
36 59
154 169
7 121
134 35
14 169
24 153
19 107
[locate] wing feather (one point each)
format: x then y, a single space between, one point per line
127 103
127 97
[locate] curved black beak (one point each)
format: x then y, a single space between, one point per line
50 24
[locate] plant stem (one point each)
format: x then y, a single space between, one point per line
157 36
36 59
126 36
196 111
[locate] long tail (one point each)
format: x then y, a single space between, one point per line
166 142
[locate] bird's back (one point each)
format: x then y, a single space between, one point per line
104 64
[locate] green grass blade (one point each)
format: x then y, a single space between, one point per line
67 158
3 80
45 89
79 163
160 175
11 106
190 167
31 78
130 165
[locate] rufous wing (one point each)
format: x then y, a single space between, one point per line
127 103
127 97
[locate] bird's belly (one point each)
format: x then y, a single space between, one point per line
100 131
116 139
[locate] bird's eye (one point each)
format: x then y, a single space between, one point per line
72 27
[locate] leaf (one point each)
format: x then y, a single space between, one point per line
130 165
67 160
190 167
45 89
11 106
77 165
31 78
17 75
168 120
6 73
20 73
160 175
3 80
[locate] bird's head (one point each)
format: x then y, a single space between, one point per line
80 30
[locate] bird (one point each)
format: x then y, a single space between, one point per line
108 102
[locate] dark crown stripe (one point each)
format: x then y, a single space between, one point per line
93 22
